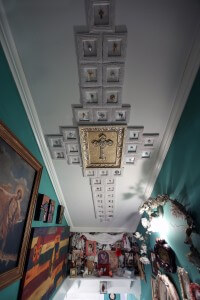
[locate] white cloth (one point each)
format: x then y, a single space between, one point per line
104 238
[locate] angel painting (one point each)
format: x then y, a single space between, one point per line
16 180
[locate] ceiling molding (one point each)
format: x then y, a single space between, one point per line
100 229
16 68
186 82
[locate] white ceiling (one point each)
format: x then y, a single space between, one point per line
160 40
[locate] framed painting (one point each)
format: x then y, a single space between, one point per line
90 248
60 214
42 207
46 265
19 181
51 211
73 272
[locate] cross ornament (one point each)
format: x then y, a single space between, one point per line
102 143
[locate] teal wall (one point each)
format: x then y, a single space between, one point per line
12 113
180 179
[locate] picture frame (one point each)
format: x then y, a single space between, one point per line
73 272
42 207
90 248
51 211
60 214
184 282
19 183
103 287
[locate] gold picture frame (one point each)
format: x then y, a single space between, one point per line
73 272
102 146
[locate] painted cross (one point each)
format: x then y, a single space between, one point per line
102 143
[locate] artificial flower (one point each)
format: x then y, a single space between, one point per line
145 222
144 260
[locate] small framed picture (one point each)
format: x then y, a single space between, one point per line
73 272
103 287
50 211
91 248
60 213
42 206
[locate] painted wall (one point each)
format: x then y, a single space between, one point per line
180 178
12 113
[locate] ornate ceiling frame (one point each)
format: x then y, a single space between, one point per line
101 53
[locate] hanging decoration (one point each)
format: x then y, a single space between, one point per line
153 207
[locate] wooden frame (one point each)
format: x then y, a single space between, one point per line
18 193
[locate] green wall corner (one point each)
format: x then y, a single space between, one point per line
179 178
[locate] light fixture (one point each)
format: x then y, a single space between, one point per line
160 225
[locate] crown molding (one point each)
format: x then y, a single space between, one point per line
185 85
100 229
17 71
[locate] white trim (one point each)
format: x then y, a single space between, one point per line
186 82
99 229
16 68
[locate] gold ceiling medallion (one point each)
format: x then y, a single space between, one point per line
102 146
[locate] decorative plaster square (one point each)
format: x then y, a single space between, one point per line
113 74
91 96
70 134
89 47
101 15
112 96
114 47
90 75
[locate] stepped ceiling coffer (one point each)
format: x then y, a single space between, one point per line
101 142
